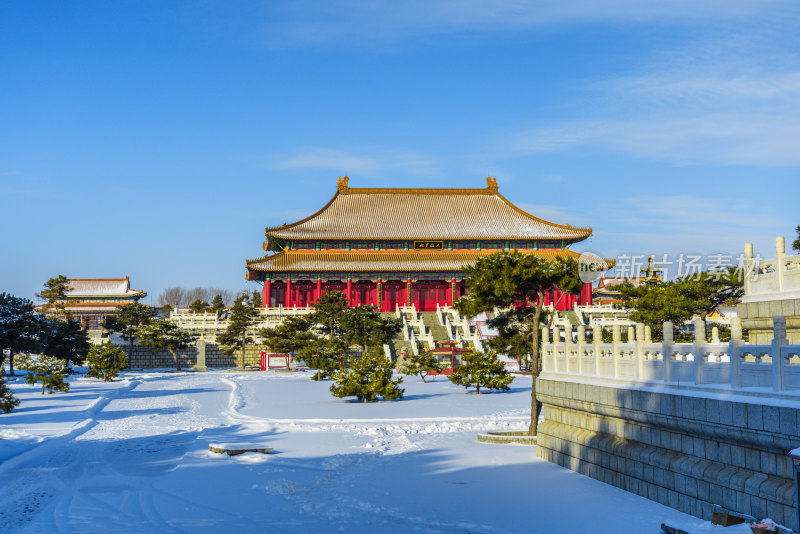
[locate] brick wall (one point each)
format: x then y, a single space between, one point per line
686 452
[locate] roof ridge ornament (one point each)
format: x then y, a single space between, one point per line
492 184
341 185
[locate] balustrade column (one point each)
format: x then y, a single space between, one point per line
581 342
615 343
543 354
639 351
778 342
698 349
597 339
733 350
666 350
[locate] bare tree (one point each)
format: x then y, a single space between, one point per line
181 296
174 296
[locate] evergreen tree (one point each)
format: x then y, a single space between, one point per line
481 370
255 300
19 327
241 320
422 364
324 355
517 282
288 337
218 304
680 299
7 401
198 306
166 310
161 334
55 293
48 370
796 242
330 311
128 319
64 339
106 361
367 378
364 326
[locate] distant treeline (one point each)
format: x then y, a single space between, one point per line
183 296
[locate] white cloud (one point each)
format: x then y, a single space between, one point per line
385 21
364 163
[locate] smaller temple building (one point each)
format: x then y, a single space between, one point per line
91 300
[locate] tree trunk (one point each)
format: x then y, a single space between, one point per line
477 389
244 333
11 363
536 367
175 357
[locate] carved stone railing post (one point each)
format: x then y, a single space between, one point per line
666 350
639 350
616 340
567 344
648 335
697 349
545 342
581 343
631 334
780 253
733 350
778 342
556 341
597 338
715 335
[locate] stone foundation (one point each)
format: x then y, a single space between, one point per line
143 358
686 452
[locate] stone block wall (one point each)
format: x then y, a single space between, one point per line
689 452
142 358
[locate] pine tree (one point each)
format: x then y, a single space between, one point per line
796 242
289 336
19 327
368 378
237 335
106 361
128 319
7 401
217 304
55 293
422 364
198 306
255 300
516 283
329 313
326 356
64 339
481 370
161 334
364 326
48 370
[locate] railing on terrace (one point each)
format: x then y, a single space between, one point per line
735 364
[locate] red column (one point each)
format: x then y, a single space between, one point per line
409 294
266 293
288 293
349 292
379 294
449 293
319 290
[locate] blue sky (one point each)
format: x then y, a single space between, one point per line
158 139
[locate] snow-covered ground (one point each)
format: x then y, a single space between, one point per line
132 456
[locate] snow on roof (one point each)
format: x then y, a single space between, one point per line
106 287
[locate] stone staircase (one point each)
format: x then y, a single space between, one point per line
438 331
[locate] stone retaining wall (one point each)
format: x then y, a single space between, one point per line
689 452
143 358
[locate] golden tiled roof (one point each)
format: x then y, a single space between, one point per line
403 261
369 213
